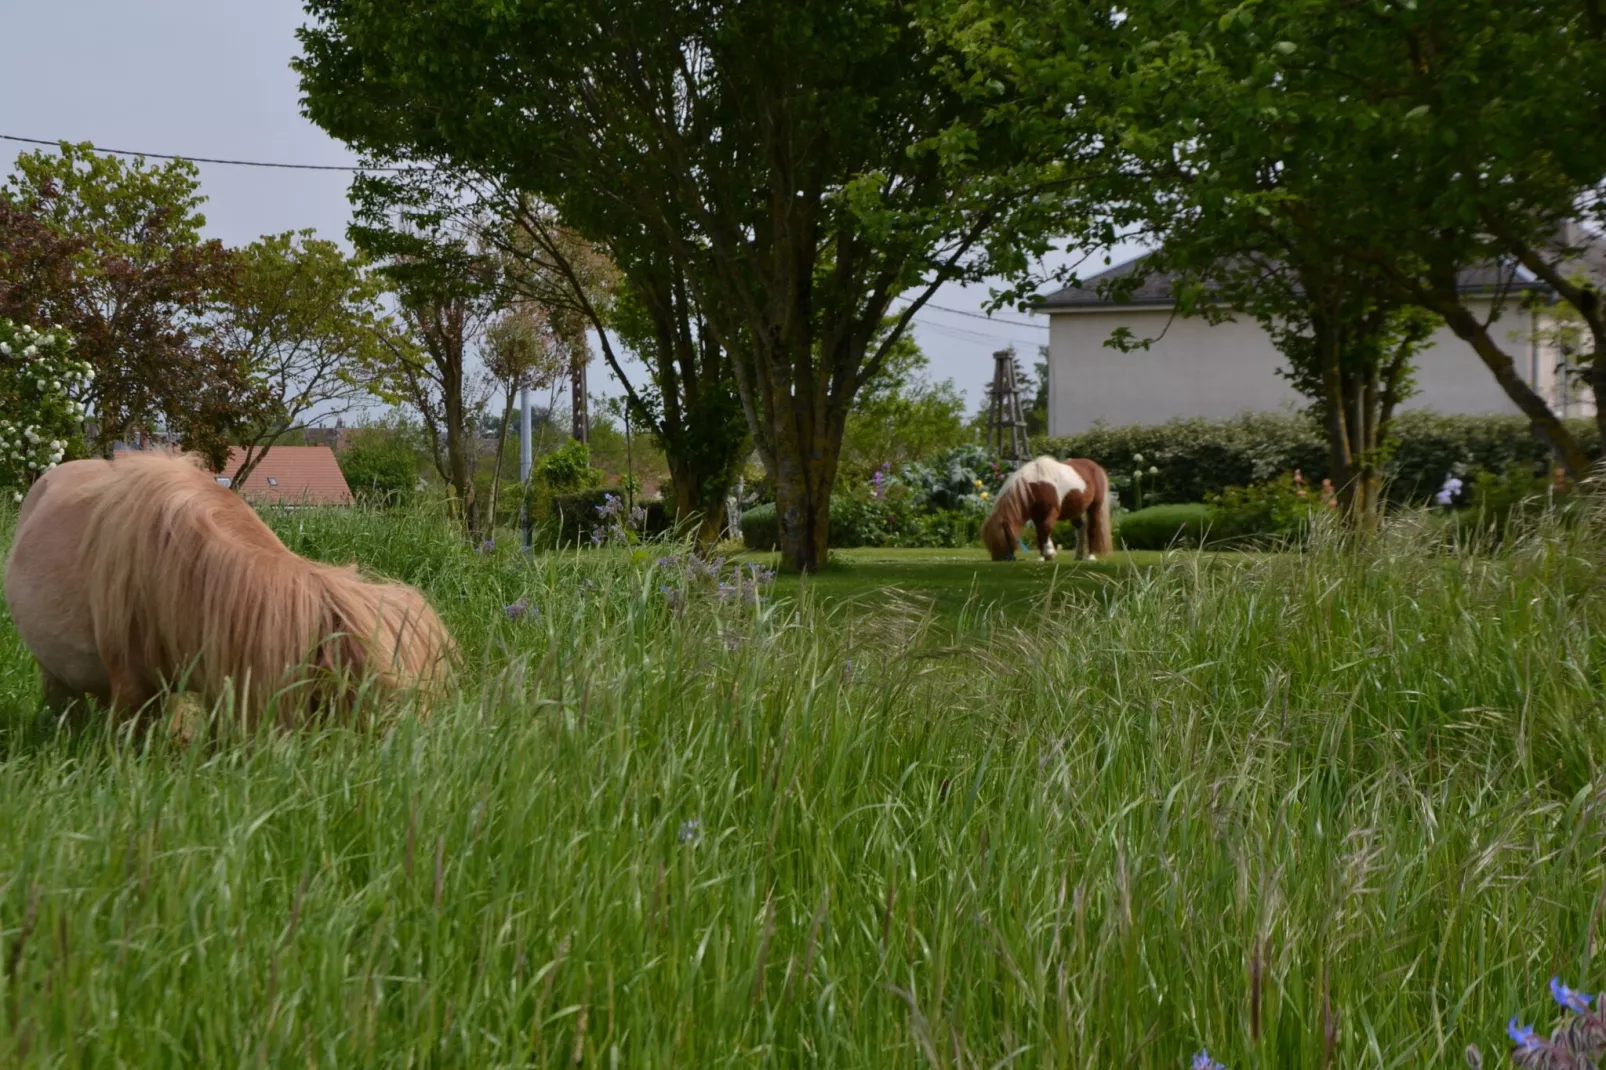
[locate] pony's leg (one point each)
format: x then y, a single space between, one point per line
62 701
1045 535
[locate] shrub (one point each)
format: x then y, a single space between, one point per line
873 522
573 515
40 420
761 530
380 468
1275 509
1161 527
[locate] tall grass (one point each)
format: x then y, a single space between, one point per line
1305 811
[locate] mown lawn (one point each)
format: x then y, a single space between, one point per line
919 810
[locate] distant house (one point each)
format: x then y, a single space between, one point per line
291 475
1199 369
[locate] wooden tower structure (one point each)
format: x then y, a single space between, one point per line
1006 422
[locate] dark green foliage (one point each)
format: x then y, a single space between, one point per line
1164 527
573 515
1270 513
1198 457
873 522
380 468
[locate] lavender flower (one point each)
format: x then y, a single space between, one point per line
598 535
691 831
520 609
1203 1061
1575 1001
638 517
486 547
675 598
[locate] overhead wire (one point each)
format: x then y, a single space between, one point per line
211 159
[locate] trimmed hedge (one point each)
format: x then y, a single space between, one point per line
1165 527
1198 457
872 523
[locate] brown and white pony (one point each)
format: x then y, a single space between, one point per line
134 577
1046 491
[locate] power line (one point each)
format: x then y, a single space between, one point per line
205 159
979 315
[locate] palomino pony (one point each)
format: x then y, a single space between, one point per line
134 577
1045 491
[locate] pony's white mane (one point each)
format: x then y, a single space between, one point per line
186 582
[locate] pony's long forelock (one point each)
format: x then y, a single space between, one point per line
186 582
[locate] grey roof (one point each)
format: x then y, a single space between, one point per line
1156 289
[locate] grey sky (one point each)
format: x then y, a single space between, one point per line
212 78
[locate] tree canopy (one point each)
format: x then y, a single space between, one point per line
797 162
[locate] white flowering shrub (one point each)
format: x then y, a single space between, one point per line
41 413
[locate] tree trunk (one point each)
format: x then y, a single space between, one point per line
457 461
1340 455
699 499
1467 327
803 506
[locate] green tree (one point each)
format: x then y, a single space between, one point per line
112 251
1411 142
446 291
800 162
380 463
901 415
522 351
306 319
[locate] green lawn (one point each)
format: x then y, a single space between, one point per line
1269 806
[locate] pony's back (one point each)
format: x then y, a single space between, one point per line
187 584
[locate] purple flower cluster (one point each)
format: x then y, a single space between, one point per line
1579 1042
521 610
742 583
879 481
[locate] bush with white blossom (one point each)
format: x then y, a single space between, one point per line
41 411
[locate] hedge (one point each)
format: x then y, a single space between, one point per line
1164 527
1199 457
872 523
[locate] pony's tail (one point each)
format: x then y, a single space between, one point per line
1100 540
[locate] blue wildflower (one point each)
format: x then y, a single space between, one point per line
1203 1061
1573 1000
488 546
1523 1036
691 831
520 609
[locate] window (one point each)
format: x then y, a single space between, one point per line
272 482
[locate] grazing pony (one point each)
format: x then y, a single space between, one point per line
138 576
1044 491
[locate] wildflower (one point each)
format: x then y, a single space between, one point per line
16 495
1138 457
1203 1061
638 516
598 533
847 669
726 591
1138 474
520 609
1523 1036
1153 471
488 546
1575 1001
985 496
691 831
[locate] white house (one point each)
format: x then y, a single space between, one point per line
1195 368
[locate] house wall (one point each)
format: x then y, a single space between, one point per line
1220 371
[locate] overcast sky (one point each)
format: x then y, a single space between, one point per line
212 78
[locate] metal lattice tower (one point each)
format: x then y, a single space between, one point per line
1006 425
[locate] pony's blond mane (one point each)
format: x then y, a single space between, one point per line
189 586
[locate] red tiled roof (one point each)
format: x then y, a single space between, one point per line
293 475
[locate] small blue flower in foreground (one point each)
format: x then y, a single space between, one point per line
486 547
1523 1036
1203 1061
691 831
1573 1000
519 610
